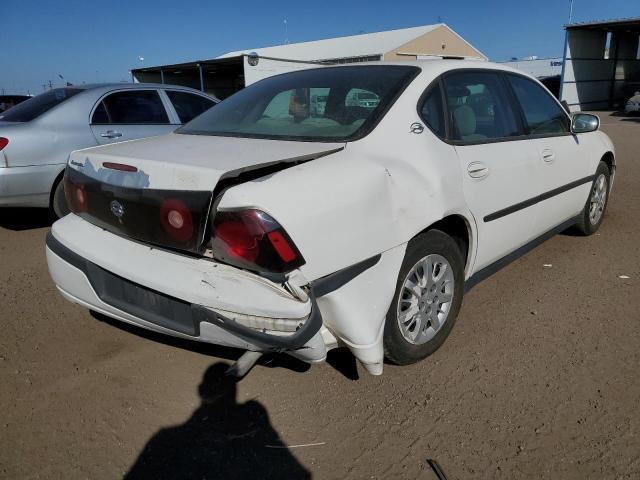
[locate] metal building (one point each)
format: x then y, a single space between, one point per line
601 64
538 67
232 71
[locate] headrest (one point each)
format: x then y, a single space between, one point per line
465 120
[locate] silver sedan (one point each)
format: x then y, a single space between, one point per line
37 136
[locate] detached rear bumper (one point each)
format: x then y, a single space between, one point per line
181 294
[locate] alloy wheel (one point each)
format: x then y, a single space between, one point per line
425 299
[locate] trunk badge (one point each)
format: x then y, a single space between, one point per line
117 209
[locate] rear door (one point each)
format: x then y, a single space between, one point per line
499 169
129 114
562 159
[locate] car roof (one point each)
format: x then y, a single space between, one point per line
132 86
438 65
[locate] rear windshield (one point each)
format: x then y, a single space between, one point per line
36 106
324 104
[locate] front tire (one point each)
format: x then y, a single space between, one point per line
427 299
593 212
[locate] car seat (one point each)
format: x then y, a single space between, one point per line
464 120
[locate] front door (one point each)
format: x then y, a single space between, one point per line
563 161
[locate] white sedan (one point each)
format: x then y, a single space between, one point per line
269 226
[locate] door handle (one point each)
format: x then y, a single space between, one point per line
548 155
477 170
111 134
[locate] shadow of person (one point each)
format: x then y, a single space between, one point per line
222 439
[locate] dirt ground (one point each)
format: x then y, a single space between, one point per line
539 378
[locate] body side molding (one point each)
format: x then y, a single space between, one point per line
540 198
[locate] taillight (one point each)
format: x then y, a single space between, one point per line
176 219
76 196
253 240
3 142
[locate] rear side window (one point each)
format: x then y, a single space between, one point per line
131 107
431 111
542 113
36 106
188 106
478 107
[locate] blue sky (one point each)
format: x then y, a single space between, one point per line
88 40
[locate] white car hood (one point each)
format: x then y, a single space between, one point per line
190 162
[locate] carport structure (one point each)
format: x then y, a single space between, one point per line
220 77
601 64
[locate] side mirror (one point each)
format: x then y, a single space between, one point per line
584 123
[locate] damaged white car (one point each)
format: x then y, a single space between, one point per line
269 226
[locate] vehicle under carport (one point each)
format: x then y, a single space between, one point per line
601 64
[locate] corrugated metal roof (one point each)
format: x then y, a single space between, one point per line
365 44
603 23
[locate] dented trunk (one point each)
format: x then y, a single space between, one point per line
148 191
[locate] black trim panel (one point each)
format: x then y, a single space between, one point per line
142 302
176 314
489 270
334 281
540 198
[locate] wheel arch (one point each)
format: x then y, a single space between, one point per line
459 228
54 185
610 160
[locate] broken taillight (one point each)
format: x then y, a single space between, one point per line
252 239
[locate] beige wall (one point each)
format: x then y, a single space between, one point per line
431 43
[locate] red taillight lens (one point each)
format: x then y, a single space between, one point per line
282 246
176 219
3 142
76 196
253 240
120 166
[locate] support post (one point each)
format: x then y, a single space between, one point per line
201 78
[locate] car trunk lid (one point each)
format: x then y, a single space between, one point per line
161 190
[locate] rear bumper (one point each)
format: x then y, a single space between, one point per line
166 306
27 186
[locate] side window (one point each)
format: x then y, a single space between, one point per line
187 105
361 98
542 113
100 115
135 107
431 111
478 107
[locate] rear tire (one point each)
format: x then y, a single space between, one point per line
593 212
431 284
59 201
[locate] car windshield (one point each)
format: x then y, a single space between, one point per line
308 105
36 106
